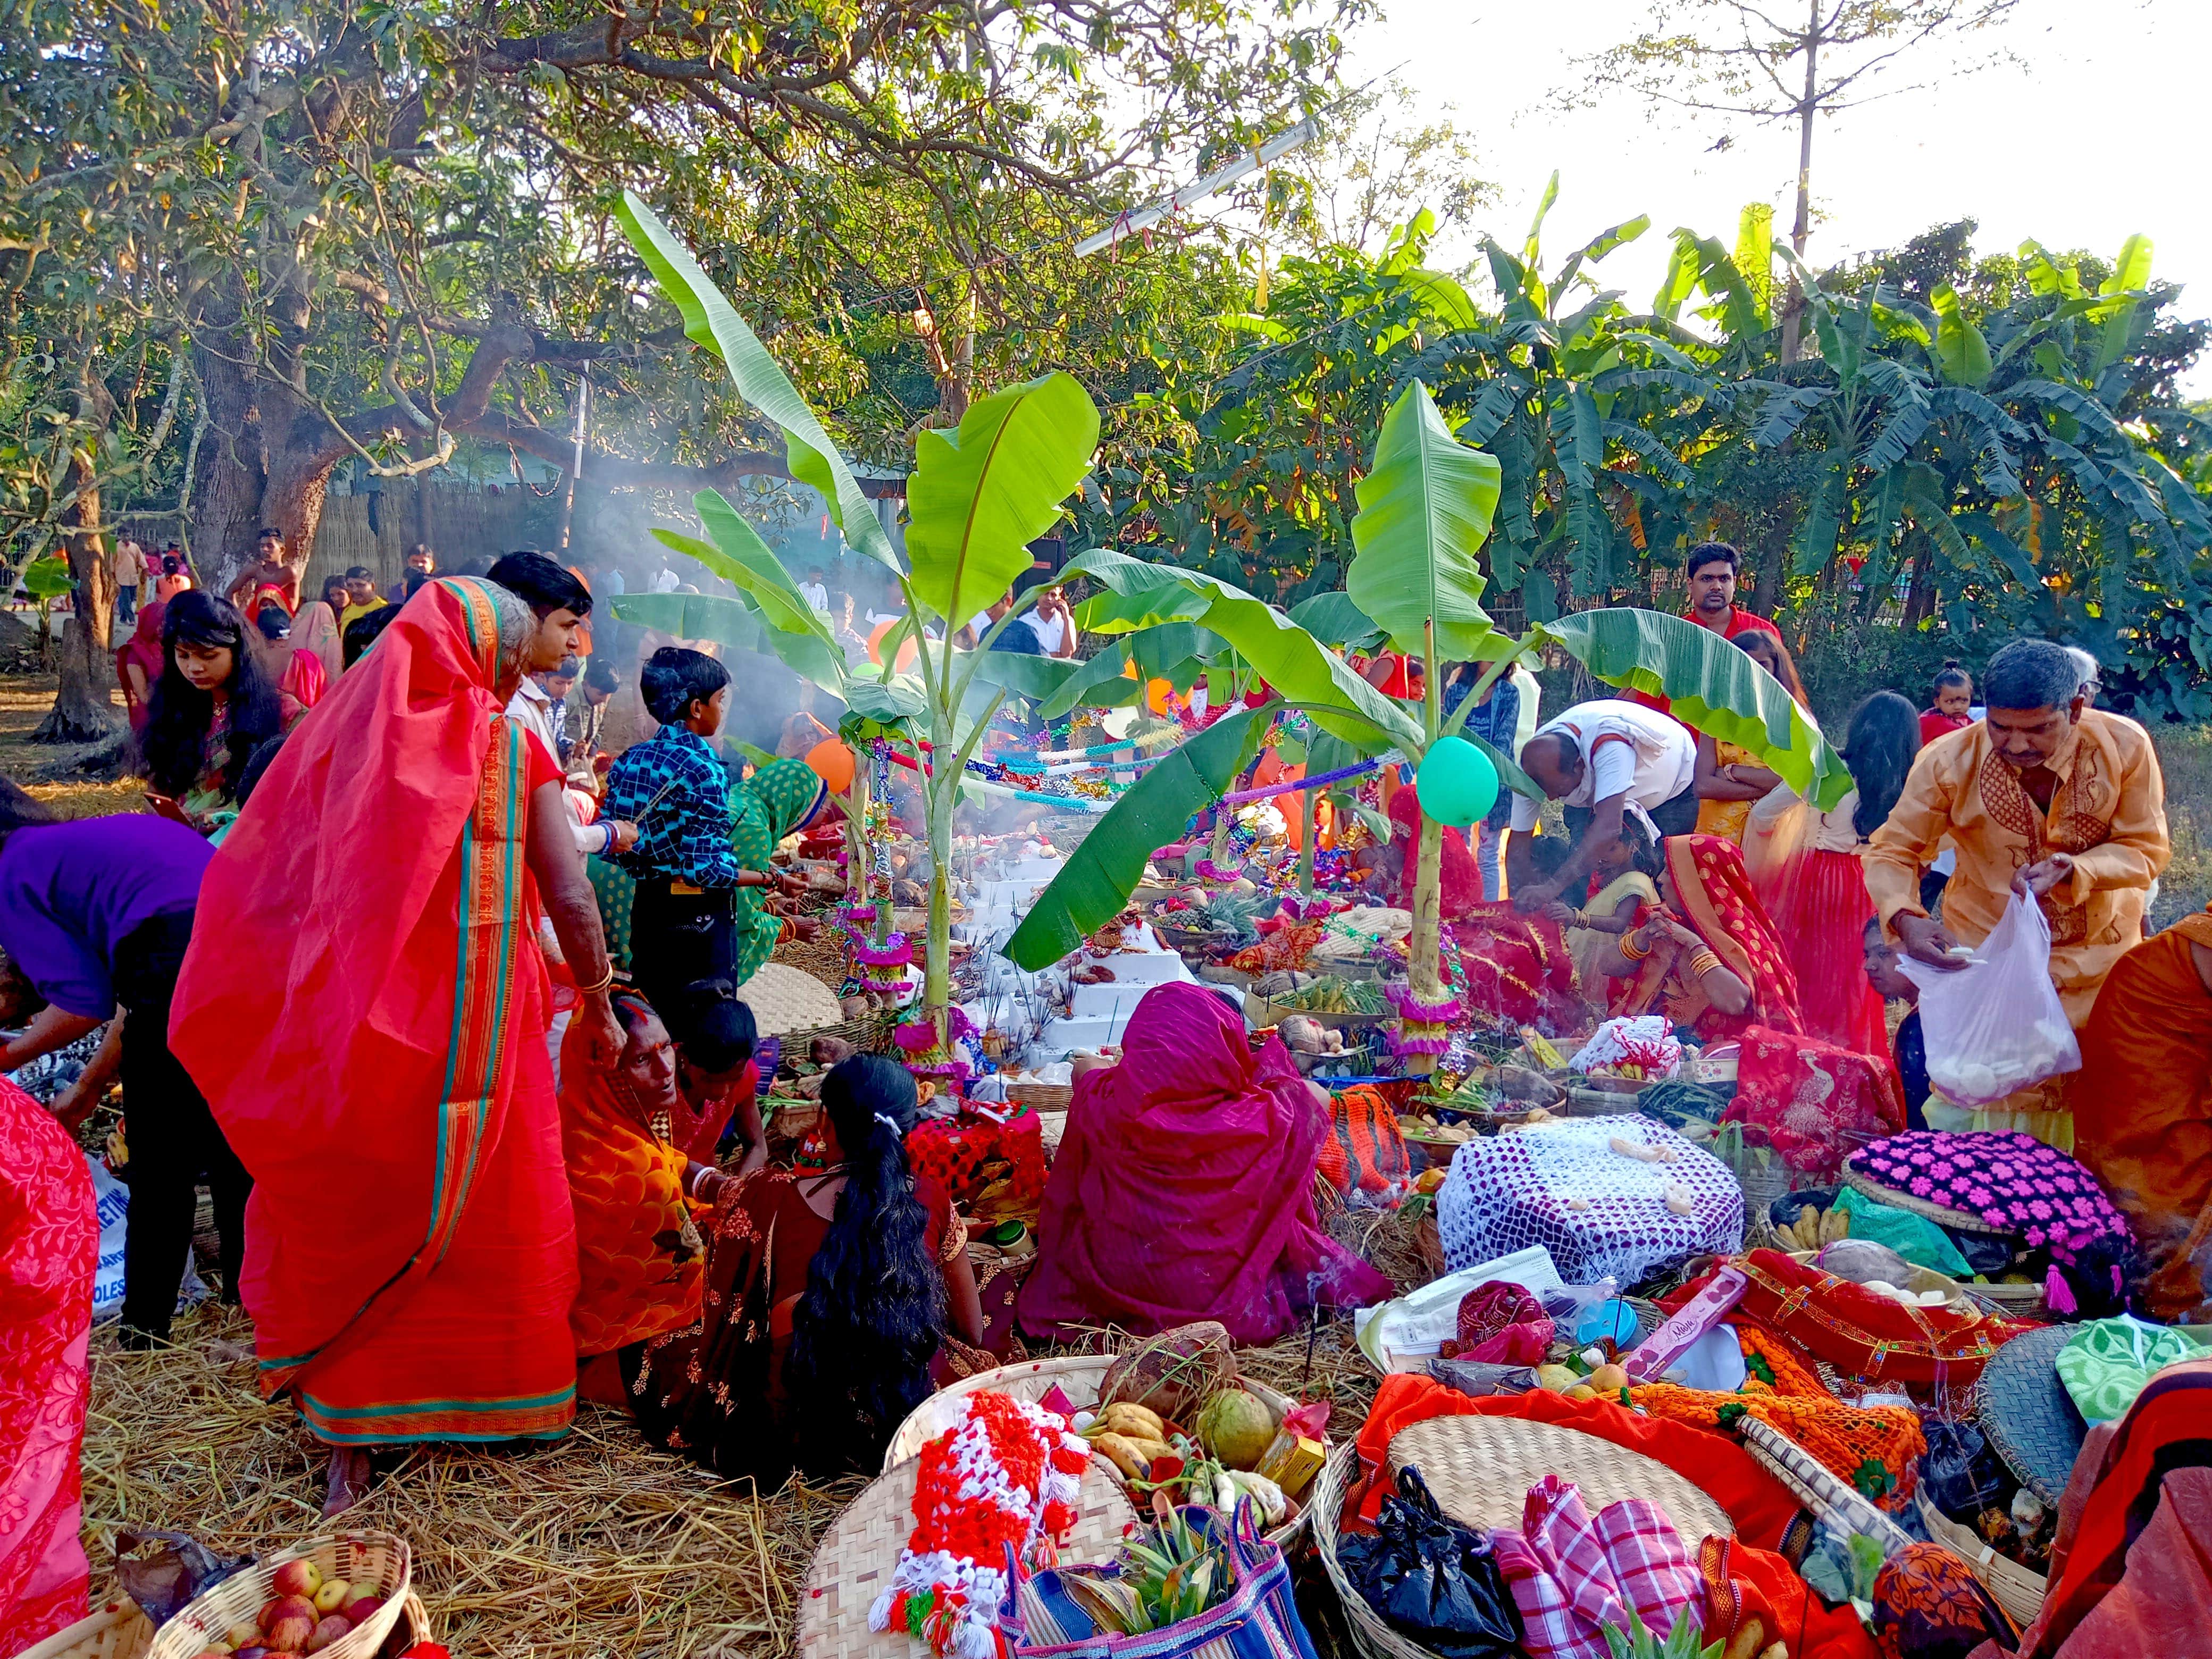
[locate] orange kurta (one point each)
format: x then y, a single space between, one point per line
2108 811
2142 1108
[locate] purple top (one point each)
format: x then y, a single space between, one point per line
71 893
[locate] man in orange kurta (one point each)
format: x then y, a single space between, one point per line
2045 796
2145 1126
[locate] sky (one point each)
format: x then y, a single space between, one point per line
2096 136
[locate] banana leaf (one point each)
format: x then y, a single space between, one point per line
1335 620
1295 665
977 500
711 322
1147 595
1099 876
737 626
1714 687
1424 511
738 555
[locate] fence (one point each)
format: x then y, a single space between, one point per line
459 524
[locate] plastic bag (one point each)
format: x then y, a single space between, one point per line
167 1582
1996 1026
1961 1473
1432 1579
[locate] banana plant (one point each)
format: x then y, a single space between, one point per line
977 497
1416 580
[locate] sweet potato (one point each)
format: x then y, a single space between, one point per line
1172 1373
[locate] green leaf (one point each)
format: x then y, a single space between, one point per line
48 579
1335 620
711 322
1959 347
1713 686
1441 296
1532 251
1680 280
2131 271
738 626
888 703
1424 511
740 557
977 500
1755 255
1102 872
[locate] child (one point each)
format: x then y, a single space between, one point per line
1626 870
1951 695
1911 1050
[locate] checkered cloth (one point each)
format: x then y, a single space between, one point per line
1572 1576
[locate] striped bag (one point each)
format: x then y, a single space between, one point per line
1364 1152
1039 1619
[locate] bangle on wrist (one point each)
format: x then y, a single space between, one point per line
1632 950
1703 961
599 985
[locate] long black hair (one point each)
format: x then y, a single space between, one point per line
1879 745
179 713
873 1310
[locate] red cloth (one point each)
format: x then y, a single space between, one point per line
1516 968
1184 1187
1500 1323
1822 923
1862 1333
143 648
1461 890
49 1242
368 1025
1740 621
1816 1102
1713 893
304 680
1759 1505
1934 725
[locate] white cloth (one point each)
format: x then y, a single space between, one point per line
665 581
817 595
1051 632
1532 698
1626 749
1832 831
533 711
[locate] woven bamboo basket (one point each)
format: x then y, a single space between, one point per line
2019 1590
1261 1010
374 1558
117 1632
854 1563
1041 1096
1585 1102
1078 1377
2014 1300
1371 1636
871 1035
1814 1485
1480 1469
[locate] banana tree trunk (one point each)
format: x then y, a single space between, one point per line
1306 819
856 835
1425 958
943 797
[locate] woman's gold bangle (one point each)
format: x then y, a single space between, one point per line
598 985
1632 950
1704 962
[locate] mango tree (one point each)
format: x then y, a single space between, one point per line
1415 580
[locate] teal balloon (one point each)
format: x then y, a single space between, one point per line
1458 784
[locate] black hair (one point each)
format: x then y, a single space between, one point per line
334 580
2031 674
1872 933
1880 741
360 632
20 809
873 1310
1645 852
264 754
1953 672
544 583
179 713
1020 639
478 568
360 573
568 670
423 548
601 675
674 678
267 531
1705 553
272 622
416 581
1547 853
722 1035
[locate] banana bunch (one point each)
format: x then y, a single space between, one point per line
1331 995
1814 1227
1151 1457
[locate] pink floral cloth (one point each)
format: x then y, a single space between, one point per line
49 1243
1183 1189
1572 1574
2014 1182
1501 1324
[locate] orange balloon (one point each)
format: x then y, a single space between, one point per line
833 763
909 649
1157 693
1293 807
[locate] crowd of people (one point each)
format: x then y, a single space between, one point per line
433 979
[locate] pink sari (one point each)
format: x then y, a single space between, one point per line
48 1240
1184 1189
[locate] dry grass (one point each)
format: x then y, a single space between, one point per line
593 1545
24 701
2184 753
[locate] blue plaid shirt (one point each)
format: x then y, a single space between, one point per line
676 790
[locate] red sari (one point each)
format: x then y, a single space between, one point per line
368 1025
49 1239
1713 889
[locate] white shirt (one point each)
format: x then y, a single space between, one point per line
1626 749
665 581
817 595
1051 632
533 710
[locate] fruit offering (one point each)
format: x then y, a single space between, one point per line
307 1613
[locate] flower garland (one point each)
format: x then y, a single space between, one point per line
1424 1028
1007 1473
925 1056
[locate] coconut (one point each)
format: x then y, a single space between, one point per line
1236 1428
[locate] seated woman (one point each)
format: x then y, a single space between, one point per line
1728 779
825 1297
1184 1187
1626 872
1724 969
212 707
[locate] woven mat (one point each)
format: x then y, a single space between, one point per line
2028 1415
786 998
1939 1214
861 1548
1480 1469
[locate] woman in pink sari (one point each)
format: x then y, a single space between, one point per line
48 1240
1184 1187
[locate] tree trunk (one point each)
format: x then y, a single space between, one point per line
83 710
1801 228
267 461
1920 602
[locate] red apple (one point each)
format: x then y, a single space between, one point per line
362 1607
288 1607
288 1632
298 1578
328 1631
244 1636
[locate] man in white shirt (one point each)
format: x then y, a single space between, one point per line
127 562
665 579
816 591
1597 757
1052 624
533 708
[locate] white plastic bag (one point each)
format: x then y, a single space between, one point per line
112 1203
1996 1026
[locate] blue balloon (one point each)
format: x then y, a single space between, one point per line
1458 784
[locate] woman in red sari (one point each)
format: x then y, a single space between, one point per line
1712 959
374 1047
49 1239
